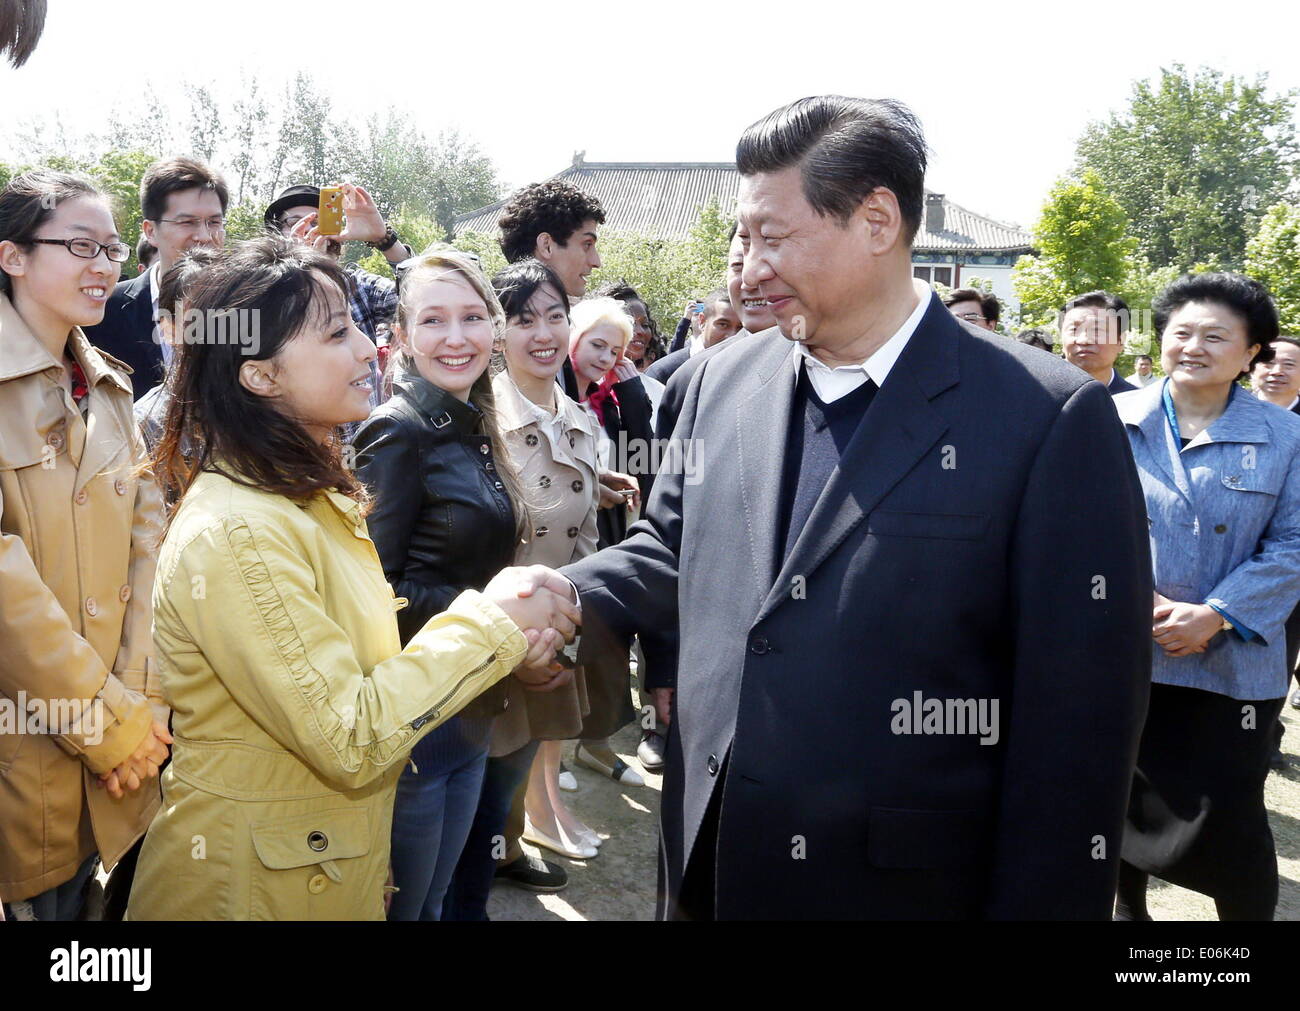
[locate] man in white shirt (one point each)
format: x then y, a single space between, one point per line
1278 381
1143 374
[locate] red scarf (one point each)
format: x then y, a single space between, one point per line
79 385
603 393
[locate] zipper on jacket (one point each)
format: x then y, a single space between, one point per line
433 713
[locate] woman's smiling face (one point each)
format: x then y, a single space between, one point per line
1206 344
448 333
535 341
598 351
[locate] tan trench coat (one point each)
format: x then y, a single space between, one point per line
78 533
563 496
295 707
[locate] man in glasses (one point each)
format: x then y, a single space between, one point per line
973 307
184 205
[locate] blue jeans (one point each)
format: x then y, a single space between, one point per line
431 820
62 902
467 898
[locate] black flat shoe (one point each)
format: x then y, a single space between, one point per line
533 874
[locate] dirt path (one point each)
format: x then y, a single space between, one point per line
619 883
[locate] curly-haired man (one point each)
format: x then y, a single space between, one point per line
556 223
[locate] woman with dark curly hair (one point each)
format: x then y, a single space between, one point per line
1221 475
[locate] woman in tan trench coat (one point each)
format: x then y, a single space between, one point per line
295 705
83 727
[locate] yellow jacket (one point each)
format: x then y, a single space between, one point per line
295 706
78 533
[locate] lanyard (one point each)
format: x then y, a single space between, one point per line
1170 414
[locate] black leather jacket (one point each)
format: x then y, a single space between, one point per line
441 520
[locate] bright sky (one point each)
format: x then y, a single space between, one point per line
1003 89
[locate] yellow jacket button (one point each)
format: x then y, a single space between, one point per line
82 498
119 486
92 608
317 884
124 594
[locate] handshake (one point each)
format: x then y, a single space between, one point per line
543 604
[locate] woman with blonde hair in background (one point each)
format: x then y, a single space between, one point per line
612 394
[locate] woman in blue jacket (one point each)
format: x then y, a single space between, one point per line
1221 474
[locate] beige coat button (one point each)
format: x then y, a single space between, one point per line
55 439
92 608
82 498
317 884
119 486
124 594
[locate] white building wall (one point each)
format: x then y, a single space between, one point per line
1001 279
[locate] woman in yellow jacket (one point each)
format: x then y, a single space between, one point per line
295 704
82 724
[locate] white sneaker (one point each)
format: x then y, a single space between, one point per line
568 781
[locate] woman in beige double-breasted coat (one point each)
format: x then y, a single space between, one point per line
78 528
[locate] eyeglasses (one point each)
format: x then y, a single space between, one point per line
215 224
88 249
972 317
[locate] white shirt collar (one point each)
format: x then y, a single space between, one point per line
153 288
882 360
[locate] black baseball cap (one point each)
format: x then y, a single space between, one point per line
294 196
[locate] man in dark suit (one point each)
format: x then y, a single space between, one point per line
184 204
1093 328
908 569
720 321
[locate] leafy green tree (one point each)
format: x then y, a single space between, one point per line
119 174
416 229
1084 244
205 123
1273 259
486 247
704 253
144 124
250 118
1194 161
244 221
